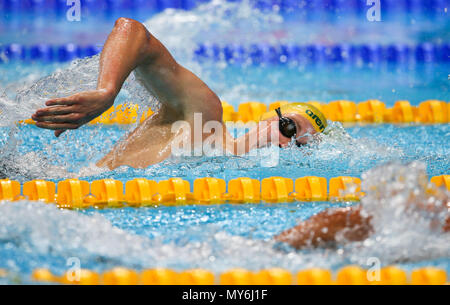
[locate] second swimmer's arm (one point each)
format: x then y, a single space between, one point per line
324 228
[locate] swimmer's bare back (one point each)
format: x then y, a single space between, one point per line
130 46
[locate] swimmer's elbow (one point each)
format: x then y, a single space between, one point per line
121 21
134 25
129 26
137 33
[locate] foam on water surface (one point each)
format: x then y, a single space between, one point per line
31 153
221 237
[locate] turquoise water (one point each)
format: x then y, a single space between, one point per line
216 237
212 237
303 26
358 149
220 237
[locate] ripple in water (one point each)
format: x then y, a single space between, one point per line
181 35
403 233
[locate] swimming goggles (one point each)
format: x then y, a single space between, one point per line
287 126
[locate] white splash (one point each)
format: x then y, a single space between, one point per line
408 214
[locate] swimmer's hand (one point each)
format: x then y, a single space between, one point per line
73 111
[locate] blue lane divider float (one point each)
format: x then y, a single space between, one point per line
256 53
47 53
59 6
340 6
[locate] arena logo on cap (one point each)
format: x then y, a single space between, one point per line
316 118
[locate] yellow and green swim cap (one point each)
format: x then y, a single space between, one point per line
308 111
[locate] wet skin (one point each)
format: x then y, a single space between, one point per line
349 223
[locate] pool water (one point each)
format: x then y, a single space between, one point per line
216 237
237 84
348 152
220 237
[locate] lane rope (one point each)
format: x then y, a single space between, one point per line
370 112
256 53
348 275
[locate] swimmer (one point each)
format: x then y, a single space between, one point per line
351 223
131 47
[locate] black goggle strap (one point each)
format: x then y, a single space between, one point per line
278 111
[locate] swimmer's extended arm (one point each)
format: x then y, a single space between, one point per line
122 53
258 136
324 228
130 46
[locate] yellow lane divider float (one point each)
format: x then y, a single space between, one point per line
349 275
370 111
74 193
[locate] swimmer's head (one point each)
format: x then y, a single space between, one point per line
296 121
